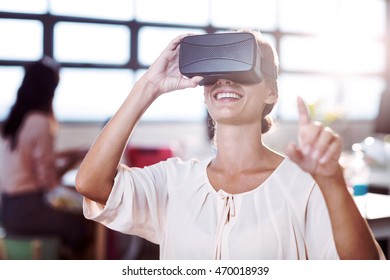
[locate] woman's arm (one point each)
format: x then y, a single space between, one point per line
352 235
97 171
318 153
68 159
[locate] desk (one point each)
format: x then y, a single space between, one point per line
380 180
68 182
375 208
69 178
65 196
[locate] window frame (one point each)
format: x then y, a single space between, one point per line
49 20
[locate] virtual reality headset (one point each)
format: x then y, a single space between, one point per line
233 56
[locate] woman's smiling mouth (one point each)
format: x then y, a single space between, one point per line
227 95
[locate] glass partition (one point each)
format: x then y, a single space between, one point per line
21 39
94 43
113 9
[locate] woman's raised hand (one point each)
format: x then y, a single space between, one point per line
319 147
164 73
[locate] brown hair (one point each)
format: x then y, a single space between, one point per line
269 56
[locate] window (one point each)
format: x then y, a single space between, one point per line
153 40
91 94
113 9
16 35
362 96
10 79
307 16
180 105
91 43
24 6
292 85
172 11
257 14
346 54
335 54
328 54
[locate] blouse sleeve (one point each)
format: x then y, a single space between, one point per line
137 203
319 236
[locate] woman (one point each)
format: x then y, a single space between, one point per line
247 201
31 166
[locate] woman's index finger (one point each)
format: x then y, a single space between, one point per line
303 113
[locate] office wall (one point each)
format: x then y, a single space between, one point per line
190 139
187 139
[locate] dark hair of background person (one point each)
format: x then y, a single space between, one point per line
36 93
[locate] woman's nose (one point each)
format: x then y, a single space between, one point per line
224 82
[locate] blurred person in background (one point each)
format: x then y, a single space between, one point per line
31 166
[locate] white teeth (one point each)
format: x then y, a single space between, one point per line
227 95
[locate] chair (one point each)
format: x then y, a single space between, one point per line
29 248
144 156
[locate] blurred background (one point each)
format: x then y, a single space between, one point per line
333 53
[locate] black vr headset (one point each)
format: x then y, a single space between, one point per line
232 56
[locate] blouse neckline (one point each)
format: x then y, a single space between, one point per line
256 189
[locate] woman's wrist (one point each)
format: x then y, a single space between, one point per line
336 180
147 88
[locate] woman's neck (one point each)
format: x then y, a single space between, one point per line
241 148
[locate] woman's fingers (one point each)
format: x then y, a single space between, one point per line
319 146
303 113
164 73
308 131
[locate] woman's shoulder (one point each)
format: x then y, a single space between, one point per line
291 181
186 162
40 122
178 170
186 175
37 118
177 164
173 172
173 165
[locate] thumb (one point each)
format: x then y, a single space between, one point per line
294 153
196 80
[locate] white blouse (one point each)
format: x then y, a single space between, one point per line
173 204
